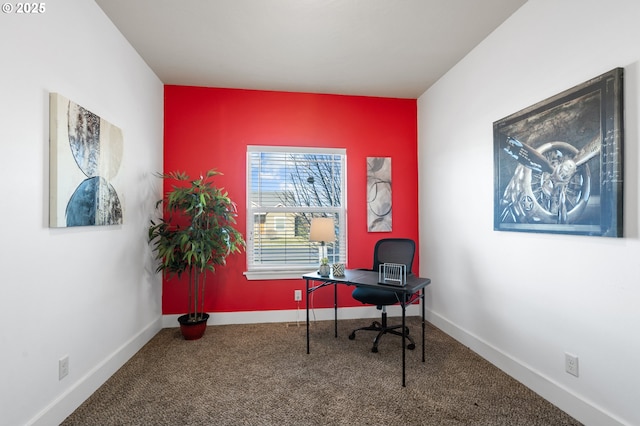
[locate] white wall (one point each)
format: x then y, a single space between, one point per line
523 300
87 292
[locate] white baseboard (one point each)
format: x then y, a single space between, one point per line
294 315
582 410
71 399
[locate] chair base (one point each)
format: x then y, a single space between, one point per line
382 329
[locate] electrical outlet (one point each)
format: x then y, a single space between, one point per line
571 364
63 367
297 295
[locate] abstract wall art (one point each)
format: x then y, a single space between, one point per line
379 194
85 159
558 164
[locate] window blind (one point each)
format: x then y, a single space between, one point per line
286 188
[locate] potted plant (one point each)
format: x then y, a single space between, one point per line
195 234
324 269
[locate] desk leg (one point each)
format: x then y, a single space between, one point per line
307 300
404 336
423 322
335 309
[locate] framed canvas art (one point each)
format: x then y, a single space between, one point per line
379 194
558 164
84 163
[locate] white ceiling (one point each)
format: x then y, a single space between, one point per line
387 48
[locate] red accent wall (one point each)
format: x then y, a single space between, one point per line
210 128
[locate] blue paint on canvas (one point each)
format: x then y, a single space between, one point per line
94 202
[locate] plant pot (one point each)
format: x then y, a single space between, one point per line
324 270
192 330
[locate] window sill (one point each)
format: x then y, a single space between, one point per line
289 274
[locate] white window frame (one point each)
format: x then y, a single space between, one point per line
265 272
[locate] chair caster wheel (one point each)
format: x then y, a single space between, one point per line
411 346
374 350
352 336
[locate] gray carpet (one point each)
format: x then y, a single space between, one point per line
260 374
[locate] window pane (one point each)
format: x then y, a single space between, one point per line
295 179
290 245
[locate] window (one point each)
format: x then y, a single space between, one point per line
286 188
280 223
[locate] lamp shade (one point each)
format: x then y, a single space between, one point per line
322 230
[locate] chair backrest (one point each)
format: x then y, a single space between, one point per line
394 250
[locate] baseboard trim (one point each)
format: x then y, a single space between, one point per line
75 395
294 315
576 406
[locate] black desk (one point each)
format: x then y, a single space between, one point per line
370 279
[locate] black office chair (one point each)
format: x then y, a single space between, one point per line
388 250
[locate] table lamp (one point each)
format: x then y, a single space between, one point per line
323 231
